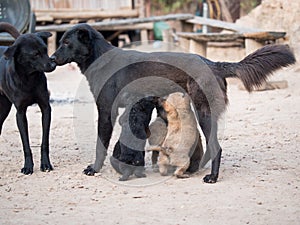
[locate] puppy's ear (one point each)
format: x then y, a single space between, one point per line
84 35
10 52
44 34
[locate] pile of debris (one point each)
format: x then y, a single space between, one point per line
277 15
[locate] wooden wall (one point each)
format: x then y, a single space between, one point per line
81 4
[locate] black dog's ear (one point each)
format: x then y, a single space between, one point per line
44 34
10 52
84 35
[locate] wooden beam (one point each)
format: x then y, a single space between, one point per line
225 11
265 35
64 14
226 37
221 24
215 37
108 24
141 26
198 47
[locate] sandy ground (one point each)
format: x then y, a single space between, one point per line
259 177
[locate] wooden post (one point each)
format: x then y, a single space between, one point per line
184 43
144 35
186 27
252 45
198 47
52 43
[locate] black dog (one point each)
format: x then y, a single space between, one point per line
84 45
23 83
128 158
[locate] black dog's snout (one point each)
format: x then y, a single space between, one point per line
50 66
53 58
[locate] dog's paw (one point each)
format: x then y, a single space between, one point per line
28 166
47 167
182 176
140 175
27 170
123 178
89 171
210 178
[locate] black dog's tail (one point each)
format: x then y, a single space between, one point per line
255 68
7 27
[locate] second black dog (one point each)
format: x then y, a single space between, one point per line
23 83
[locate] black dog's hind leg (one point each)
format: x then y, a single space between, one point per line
23 128
209 127
139 172
5 106
114 159
46 120
127 170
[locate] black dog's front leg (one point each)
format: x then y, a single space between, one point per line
209 127
46 120
23 129
105 129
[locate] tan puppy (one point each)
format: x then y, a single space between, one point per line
182 135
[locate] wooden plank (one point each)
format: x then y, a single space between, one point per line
221 24
251 33
225 11
265 35
108 24
142 26
215 37
50 15
226 37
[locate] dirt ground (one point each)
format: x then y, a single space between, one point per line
259 177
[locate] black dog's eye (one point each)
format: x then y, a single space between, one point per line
66 42
37 54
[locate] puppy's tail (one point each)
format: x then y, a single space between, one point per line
7 27
255 68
